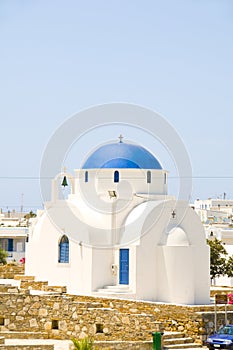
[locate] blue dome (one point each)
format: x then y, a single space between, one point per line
121 155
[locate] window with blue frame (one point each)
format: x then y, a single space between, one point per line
64 250
86 176
148 177
116 176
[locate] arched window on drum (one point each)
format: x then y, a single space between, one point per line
116 176
148 177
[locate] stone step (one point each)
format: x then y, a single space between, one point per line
113 295
174 341
26 347
23 335
37 285
24 278
183 346
178 340
56 289
10 282
7 288
118 286
170 335
112 291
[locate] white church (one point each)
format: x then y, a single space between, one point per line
118 233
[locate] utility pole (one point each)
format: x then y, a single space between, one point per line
21 207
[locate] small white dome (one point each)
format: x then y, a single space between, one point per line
177 237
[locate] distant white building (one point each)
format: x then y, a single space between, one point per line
217 218
119 233
214 210
13 235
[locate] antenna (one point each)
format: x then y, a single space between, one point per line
21 207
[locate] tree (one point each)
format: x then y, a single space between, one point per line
3 256
218 258
229 267
30 215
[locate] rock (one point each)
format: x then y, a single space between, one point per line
125 319
43 312
27 299
105 330
133 311
75 315
19 318
56 306
48 326
36 305
33 323
82 335
12 327
62 325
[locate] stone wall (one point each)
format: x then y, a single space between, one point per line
66 316
10 270
123 345
62 316
26 347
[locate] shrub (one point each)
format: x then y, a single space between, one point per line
3 256
83 344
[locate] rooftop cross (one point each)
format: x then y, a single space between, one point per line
173 214
120 138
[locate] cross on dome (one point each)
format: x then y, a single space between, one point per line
173 214
120 138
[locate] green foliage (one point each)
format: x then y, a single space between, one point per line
3 256
229 267
218 258
83 344
30 215
220 262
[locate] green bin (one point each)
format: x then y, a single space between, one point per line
157 340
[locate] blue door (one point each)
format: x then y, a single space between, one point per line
124 266
10 245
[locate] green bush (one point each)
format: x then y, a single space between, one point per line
3 256
83 344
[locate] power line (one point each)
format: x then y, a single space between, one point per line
25 178
170 177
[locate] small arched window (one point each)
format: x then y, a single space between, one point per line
63 250
165 178
148 177
86 176
116 176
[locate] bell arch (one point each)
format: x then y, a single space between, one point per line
62 179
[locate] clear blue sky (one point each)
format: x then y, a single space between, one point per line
59 57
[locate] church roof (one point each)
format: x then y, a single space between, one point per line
121 155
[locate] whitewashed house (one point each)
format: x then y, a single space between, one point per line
13 235
217 217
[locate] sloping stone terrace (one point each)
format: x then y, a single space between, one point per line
10 270
65 316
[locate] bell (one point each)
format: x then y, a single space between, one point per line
64 182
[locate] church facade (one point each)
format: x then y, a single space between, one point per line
119 233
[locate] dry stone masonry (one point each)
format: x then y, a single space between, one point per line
63 316
58 315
